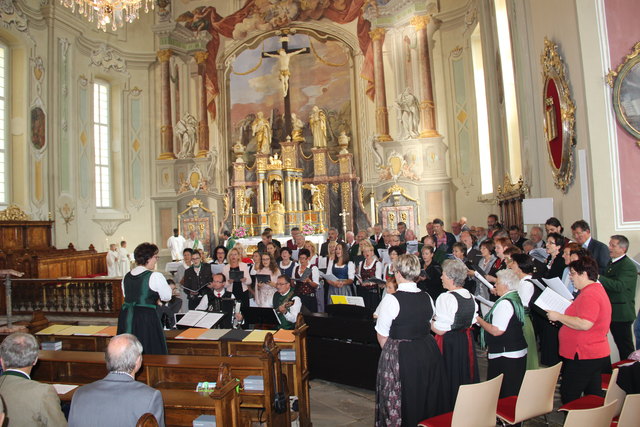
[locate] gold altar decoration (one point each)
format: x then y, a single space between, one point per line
509 190
13 213
626 92
276 217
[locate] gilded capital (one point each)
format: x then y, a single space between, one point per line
420 22
377 33
201 56
164 55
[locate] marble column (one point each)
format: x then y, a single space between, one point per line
203 125
260 197
427 106
166 127
382 113
299 193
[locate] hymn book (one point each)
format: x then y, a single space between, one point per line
482 279
200 319
550 300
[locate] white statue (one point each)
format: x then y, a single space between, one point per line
297 125
343 142
283 62
318 123
409 114
187 132
261 129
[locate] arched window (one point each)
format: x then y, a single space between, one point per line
102 123
4 123
509 87
484 141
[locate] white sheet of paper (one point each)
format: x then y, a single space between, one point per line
412 247
484 301
208 320
550 300
328 276
557 285
483 280
322 262
359 301
64 388
191 318
538 284
217 268
384 256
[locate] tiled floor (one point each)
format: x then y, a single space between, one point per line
339 405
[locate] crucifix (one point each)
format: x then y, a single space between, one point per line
284 55
344 215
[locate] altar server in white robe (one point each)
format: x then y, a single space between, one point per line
176 244
124 260
112 260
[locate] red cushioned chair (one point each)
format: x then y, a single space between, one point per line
475 406
590 401
535 397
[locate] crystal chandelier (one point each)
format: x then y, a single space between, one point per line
105 12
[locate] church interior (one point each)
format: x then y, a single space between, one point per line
238 115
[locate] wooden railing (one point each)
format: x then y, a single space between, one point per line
85 297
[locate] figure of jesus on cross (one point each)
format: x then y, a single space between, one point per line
284 57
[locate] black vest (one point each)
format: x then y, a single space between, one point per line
414 317
511 340
465 313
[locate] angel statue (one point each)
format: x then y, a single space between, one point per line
316 199
409 114
187 133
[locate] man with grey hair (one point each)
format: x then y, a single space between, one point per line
28 402
535 235
332 236
619 280
117 399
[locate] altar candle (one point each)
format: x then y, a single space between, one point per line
372 202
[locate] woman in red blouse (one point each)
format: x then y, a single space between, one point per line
583 336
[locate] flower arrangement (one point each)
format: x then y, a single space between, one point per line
240 232
308 229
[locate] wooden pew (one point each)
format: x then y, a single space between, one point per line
297 372
179 372
181 407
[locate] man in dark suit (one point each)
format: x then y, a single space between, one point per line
582 235
28 402
376 237
473 255
515 234
195 279
333 236
217 299
619 280
117 399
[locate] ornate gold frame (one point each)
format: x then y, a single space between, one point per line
559 137
615 79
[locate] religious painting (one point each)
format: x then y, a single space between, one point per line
558 117
38 128
626 92
311 72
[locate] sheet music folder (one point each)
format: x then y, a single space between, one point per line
260 315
